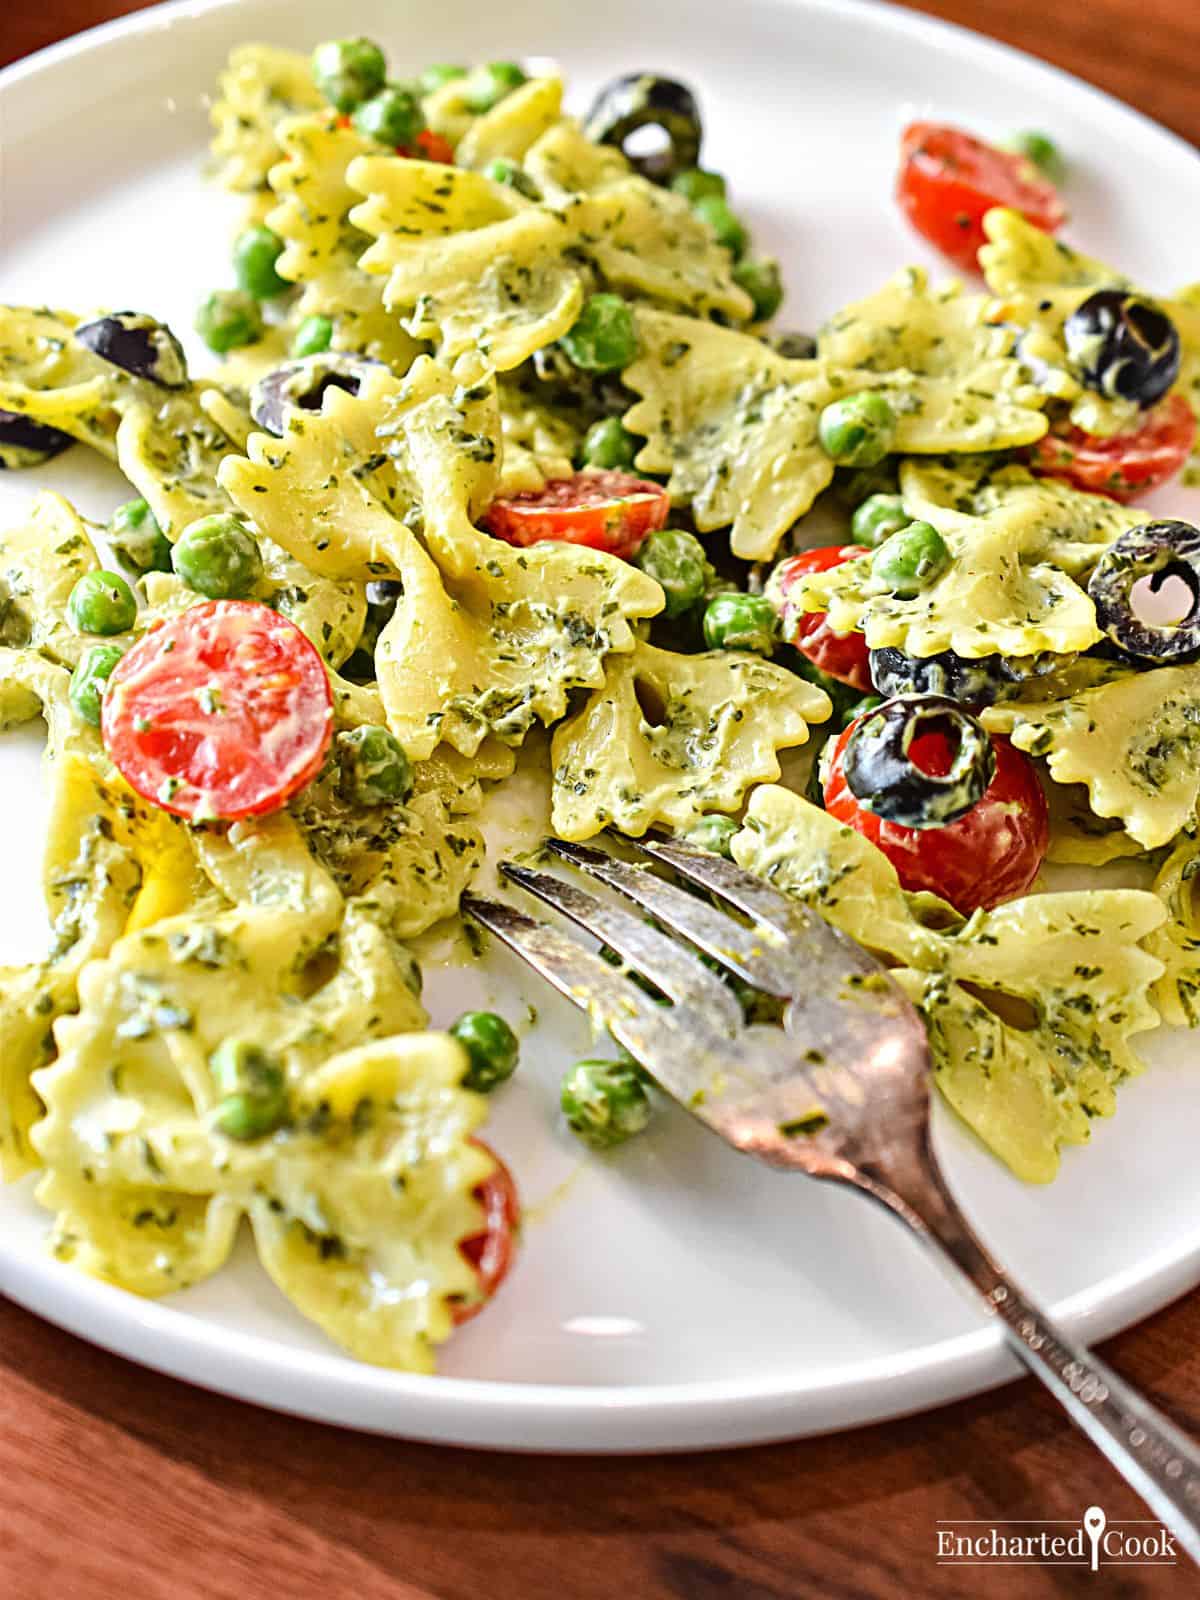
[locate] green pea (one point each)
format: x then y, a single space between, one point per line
252 1088
375 771
1042 151
911 560
740 622
393 116
762 282
696 184
348 71
255 252
676 560
859 430
102 602
603 338
507 172
493 83
604 1102
228 319
879 516
89 679
438 76
713 833
610 445
216 557
491 1047
137 540
729 231
313 336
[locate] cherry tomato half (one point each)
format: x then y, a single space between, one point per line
843 656
948 181
433 147
1127 464
491 1251
224 712
991 854
611 511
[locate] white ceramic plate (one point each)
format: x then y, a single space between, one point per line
671 1296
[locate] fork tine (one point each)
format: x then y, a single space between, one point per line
676 971
677 1044
758 955
808 934
733 883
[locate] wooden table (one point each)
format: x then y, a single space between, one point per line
118 1482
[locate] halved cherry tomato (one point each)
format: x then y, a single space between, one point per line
992 854
431 147
491 1251
611 511
224 712
1127 464
948 180
843 656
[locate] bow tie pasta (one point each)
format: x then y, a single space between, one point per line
1020 549
322 248
485 639
1026 1086
669 737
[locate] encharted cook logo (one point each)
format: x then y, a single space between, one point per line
1092 1542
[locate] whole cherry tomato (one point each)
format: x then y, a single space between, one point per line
991 854
842 656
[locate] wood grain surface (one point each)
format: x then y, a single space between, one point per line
120 1483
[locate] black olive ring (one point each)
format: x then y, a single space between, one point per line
884 779
303 384
644 100
1158 551
978 682
138 344
1123 346
26 443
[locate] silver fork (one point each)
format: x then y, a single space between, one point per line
840 1091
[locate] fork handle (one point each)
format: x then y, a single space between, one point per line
1154 1457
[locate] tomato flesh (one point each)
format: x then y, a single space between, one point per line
841 656
990 855
224 712
492 1249
1127 464
949 180
431 147
612 511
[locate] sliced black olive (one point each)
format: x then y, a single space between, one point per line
644 100
795 346
884 779
138 344
1123 346
977 682
304 384
1129 589
26 443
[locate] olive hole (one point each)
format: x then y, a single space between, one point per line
650 702
314 399
1010 1008
651 139
1165 599
935 749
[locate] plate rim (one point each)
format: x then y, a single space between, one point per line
489 1413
